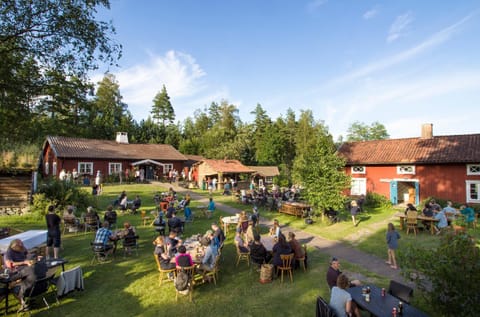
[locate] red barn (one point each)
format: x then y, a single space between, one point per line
88 156
412 169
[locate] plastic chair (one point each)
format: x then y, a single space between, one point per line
286 266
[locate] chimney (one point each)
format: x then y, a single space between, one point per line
427 131
122 138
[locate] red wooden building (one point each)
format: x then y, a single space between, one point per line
412 169
88 156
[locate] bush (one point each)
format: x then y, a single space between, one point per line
374 200
61 194
448 276
40 204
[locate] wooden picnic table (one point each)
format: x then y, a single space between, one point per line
403 218
294 208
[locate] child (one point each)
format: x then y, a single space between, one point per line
210 208
392 242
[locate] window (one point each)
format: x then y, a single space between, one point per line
358 169
114 168
47 168
167 167
85 168
358 186
54 169
269 179
473 191
473 169
406 169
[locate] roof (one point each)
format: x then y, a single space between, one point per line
436 150
225 166
195 158
266 171
67 147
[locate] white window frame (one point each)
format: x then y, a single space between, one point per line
167 167
358 186
114 168
268 179
83 171
47 168
468 194
402 169
358 169
473 166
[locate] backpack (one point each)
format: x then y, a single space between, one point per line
181 281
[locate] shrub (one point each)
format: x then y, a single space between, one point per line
448 276
40 204
62 194
374 200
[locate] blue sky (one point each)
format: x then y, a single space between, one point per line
402 63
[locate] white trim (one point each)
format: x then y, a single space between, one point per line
147 161
361 188
473 173
363 169
80 170
401 169
467 191
117 171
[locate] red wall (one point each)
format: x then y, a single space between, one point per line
441 181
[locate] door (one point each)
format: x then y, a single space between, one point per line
394 192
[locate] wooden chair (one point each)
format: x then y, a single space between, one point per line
162 272
304 258
286 266
145 218
412 221
245 256
190 270
214 272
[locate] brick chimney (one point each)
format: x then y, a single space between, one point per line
427 131
122 138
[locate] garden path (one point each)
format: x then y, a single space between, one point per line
332 248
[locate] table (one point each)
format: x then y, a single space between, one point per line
294 208
268 242
194 248
232 220
381 306
31 239
403 218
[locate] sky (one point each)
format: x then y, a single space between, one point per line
401 63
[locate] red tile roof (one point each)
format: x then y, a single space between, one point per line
105 149
436 150
227 166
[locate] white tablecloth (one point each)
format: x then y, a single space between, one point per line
30 238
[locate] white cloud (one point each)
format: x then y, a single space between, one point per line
370 14
434 40
315 4
399 26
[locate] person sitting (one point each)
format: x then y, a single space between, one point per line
162 253
450 212
91 217
281 247
210 208
258 252
427 212
175 224
124 203
341 300
275 229
172 242
331 214
127 231
410 207
104 236
110 216
183 259
334 271
120 197
297 249
218 235
170 210
240 243
468 213
442 220
209 257
226 189
69 216
136 204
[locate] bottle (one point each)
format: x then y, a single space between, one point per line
394 312
400 308
383 292
367 297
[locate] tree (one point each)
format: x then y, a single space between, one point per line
360 131
317 167
41 37
162 110
448 276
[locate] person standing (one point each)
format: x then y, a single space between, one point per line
210 208
53 234
392 242
354 210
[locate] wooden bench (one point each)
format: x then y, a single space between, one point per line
291 210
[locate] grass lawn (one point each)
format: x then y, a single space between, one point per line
129 286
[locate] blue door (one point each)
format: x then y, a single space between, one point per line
417 193
393 192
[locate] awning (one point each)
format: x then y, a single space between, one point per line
148 161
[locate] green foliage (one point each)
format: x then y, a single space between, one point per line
62 194
375 200
448 276
359 131
40 204
162 110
